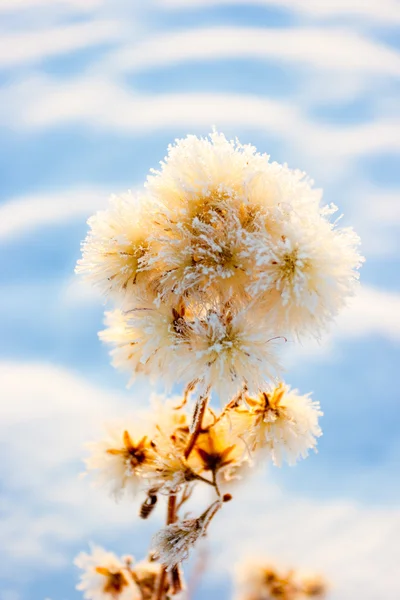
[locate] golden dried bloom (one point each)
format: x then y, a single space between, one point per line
168 471
218 449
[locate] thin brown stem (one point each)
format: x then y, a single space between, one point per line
187 492
159 592
176 580
171 512
215 482
160 587
199 414
189 388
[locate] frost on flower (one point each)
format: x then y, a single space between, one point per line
115 244
281 422
211 253
307 273
224 252
223 257
147 340
221 347
173 543
106 577
231 348
121 458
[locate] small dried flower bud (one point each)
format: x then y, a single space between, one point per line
226 497
174 542
148 506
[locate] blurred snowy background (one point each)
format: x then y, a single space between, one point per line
91 94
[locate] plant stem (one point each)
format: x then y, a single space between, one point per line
176 581
160 587
159 592
198 425
215 483
171 511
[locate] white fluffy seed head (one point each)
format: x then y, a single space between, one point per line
148 340
232 349
209 253
281 423
220 347
307 273
117 240
219 230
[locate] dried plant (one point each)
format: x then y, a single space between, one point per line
222 258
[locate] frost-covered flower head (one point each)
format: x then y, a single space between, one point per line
120 459
306 274
220 347
281 422
148 340
211 254
223 252
105 576
117 239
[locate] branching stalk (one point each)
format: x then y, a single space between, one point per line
159 592
199 414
